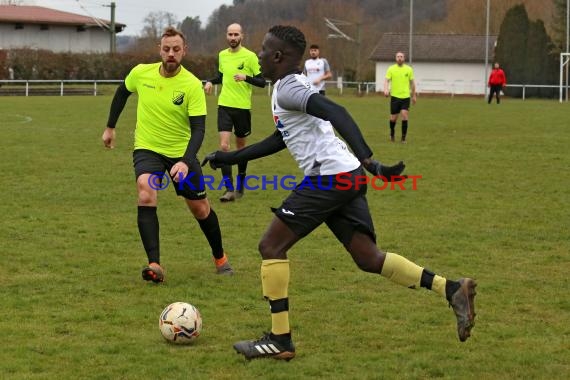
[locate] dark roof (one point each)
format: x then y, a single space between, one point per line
434 47
39 15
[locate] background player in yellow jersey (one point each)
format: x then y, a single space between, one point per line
238 70
171 120
399 83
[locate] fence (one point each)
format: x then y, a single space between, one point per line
94 87
53 87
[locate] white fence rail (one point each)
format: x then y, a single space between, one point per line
90 87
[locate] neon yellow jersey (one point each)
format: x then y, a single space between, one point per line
400 77
163 108
237 94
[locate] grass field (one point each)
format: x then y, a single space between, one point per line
493 204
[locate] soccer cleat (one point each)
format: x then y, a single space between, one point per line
229 196
463 304
392 139
225 269
266 347
153 272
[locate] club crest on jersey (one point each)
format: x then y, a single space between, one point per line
277 122
178 98
241 66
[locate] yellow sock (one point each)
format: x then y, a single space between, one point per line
275 283
438 285
402 271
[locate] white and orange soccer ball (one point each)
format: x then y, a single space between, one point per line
180 323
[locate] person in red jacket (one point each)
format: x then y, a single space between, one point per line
497 81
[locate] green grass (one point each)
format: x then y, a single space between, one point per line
492 203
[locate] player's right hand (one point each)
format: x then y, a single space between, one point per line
211 159
208 87
109 138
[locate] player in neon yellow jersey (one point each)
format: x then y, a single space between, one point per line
398 84
238 70
171 120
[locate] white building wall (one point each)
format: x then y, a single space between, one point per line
450 78
55 38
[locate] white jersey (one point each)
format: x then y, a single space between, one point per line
314 69
310 140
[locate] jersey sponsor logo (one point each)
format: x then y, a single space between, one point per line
278 123
178 98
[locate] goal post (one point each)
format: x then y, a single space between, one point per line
564 62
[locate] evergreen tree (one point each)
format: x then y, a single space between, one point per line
559 24
511 49
541 63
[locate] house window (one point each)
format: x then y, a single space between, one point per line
81 28
19 26
44 27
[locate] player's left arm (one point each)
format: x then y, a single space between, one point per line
413 90
323 108
327 70
197 132
258 80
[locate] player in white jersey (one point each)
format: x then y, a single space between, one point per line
317 69
304 122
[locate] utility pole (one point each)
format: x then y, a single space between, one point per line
486 52
567 42
112 30
411 30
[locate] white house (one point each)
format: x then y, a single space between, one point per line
44 28
442 63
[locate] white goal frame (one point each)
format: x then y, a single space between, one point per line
564 61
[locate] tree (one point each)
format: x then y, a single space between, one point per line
192 29
511 47
559 25
156 22
541 62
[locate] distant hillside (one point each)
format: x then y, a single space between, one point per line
365 20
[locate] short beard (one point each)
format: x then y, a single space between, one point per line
170 67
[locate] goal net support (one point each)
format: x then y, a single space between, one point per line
564 62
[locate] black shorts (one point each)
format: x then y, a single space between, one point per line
234 119
397 105
146 161
317 200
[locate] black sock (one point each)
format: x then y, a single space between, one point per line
147 221
404 129
427 279
227 177
392 128
282 338
450 288
211 228
242 167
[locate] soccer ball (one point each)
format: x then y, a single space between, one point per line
180 323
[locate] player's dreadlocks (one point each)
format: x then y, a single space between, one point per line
291 35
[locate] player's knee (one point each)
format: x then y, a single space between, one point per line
370 264
225 147
268 250
200 209
147 198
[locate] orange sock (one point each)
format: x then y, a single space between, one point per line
221 261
